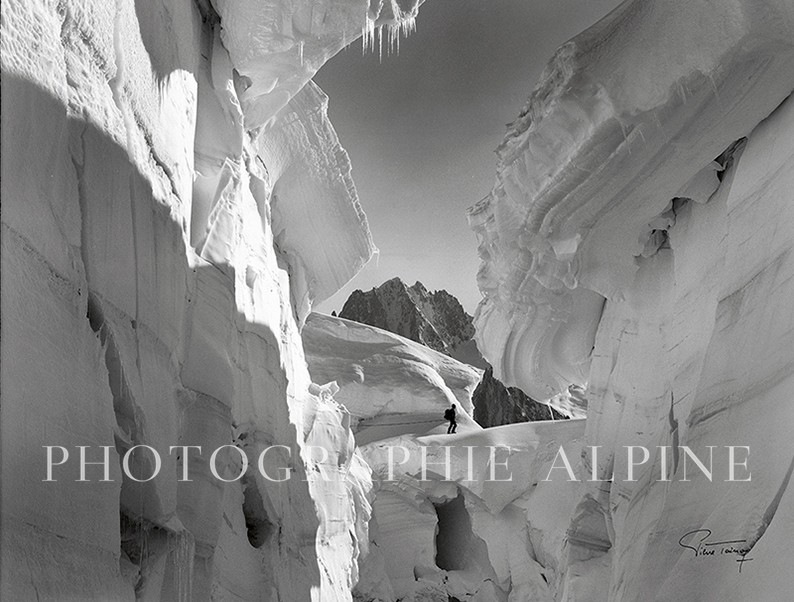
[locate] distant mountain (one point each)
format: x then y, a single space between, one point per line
438 320
435 319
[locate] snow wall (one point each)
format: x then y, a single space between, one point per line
174 201
640 239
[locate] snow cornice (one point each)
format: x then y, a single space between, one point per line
628 116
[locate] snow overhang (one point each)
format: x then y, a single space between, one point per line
278 45
627 116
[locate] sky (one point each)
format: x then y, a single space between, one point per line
421 127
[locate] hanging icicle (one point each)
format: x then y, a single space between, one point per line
184 548
404 26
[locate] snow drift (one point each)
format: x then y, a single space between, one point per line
389 384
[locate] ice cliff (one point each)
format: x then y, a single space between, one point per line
174 201
638 240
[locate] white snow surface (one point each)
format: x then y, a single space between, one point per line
510 528
626 117
388 383
174 202
638 240
278 45
158 259
508 533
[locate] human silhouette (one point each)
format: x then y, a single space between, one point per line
451 415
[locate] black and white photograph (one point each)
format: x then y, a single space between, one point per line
397 301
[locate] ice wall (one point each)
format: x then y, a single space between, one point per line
160 251
638 239
489 529
277 47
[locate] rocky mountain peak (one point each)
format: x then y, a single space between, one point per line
435 319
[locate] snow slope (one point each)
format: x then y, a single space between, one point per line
438 321
638 239
390 385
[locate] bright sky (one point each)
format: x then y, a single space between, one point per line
421 128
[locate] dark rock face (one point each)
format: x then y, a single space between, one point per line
436 319
496 404
439 321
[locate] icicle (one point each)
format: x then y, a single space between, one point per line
391 40
367 36
184 553
405 25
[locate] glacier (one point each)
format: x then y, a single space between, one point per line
638 241
467 532
175 203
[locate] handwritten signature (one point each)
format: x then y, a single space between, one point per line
698 542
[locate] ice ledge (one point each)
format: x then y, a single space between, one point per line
628 116
278 46
318 224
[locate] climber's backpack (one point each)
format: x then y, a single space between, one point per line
449 414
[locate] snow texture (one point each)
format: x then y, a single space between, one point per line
174 202
278 46
638 240
471 534
160 250
389 384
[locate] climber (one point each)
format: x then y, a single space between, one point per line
451 416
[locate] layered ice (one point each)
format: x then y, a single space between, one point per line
159 256
318 225
638 241
628 116
277 46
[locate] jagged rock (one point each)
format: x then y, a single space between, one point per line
436 319
495 404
